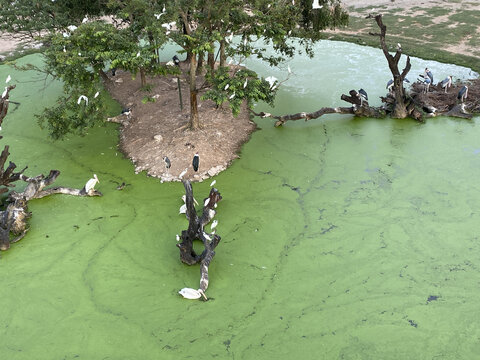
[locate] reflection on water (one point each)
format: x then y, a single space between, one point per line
341 238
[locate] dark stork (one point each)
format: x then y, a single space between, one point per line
127 111
390 85
176 60
462 94
446 83
167 162
363 96
195 162
426 84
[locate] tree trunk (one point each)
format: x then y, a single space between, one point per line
143 78
223 57
104 76
201 55
194 123
211 57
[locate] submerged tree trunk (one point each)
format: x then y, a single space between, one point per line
194 122
196 231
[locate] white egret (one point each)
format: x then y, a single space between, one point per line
72 28
316 5
191 294
232 96
183 209
5 92
182 173
82 97
226 87
214 224
85 19
90 185
245 83
8 79
177 237
206 202
96 94
271 80
213 183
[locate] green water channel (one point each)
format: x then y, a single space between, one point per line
342 238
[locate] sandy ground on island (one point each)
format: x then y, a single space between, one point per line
158 129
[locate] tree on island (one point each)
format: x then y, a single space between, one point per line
141 28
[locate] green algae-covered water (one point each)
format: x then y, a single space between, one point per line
342 238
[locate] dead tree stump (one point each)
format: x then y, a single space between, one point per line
195 231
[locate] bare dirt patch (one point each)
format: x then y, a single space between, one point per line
158 129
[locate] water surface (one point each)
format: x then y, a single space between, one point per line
342 238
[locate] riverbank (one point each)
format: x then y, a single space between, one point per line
447 31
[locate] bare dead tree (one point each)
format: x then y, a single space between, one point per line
195 231
399 106
13 220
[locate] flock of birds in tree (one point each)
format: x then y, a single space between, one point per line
427 80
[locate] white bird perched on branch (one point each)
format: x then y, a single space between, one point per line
214 224
90 185
183 209
5 92
271 80
182 174
82 97
316 5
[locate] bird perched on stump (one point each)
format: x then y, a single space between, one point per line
90 185
196 162
446 83
167 162
363 96
462 94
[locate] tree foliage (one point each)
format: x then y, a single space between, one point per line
81 47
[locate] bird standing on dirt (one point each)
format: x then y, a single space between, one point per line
446 83
462 94
195 162
167 162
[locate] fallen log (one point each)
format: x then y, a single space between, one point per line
195 231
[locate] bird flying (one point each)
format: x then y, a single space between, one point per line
8 79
